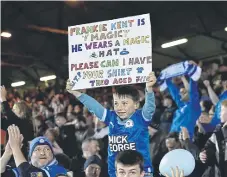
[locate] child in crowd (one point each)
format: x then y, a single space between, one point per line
128 125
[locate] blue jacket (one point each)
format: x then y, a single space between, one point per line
216 119
188 112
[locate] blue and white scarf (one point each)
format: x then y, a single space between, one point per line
179 69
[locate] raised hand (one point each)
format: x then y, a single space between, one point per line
15 144
3 93
69 87
151 80
206 83
15 138
8 149
185 134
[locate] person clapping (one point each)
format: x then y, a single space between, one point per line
41 155
20 115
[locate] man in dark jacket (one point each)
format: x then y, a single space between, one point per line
215 151
67 136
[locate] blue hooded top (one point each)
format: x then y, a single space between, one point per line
216 119
188 112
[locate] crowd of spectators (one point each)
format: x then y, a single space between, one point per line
78 140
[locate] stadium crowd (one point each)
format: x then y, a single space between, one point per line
51 133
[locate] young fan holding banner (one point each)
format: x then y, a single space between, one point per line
188 101
128 125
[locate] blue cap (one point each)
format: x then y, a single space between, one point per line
41 140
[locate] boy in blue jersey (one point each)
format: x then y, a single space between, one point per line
188 103
128 126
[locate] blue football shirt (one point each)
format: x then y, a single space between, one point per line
131 133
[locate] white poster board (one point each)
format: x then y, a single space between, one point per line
108 53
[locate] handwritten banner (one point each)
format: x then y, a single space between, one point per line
113 52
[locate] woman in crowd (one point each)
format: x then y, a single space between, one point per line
20 115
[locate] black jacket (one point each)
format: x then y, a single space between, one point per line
216 148
67 140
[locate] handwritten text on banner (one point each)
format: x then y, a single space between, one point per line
114 52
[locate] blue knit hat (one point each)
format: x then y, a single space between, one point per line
41 140
93 160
